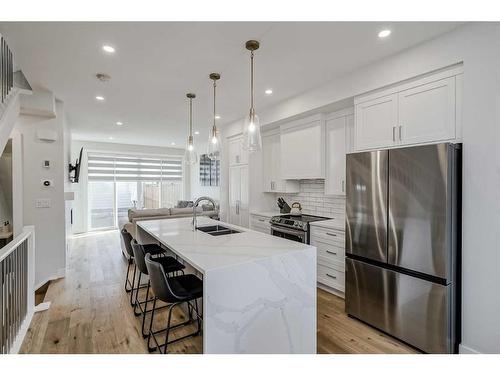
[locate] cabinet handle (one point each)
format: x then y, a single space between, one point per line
331 234
237 159
237 207
400 136
333 277
394 134
331 252
262 220
343 186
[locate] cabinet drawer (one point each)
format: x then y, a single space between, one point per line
260 220
333 237
332 277
260 228
329 253
260 223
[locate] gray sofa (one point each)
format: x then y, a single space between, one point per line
135 215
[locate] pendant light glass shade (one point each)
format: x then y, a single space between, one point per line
252 140
214 144
190 156
214 140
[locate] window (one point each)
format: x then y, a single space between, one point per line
117 183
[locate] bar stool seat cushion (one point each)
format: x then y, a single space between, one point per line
170 264
153 249
186 286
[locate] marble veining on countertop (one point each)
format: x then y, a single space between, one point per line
206 252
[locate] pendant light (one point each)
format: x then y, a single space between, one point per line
190 156
214 142
252 140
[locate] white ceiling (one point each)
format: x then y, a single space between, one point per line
156 64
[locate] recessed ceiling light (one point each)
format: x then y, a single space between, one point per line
107 48
384 33
268 92
119 123
110 138
196 133
173 143
100 98
217 117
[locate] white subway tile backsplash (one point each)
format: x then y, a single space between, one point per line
314 201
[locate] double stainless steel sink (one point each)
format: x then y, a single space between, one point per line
217 230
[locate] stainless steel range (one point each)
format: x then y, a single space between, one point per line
295 228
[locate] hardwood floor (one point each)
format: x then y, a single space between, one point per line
90 312
339 334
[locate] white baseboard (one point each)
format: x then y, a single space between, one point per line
462 349
16 346
328 289
59 274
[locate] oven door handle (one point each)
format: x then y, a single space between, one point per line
299 233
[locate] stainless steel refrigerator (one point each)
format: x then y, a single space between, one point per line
403 243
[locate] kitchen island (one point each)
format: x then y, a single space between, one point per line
259 291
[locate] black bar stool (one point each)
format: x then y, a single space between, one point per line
153 249
127 239
173 290
169 264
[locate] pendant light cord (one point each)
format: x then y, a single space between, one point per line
251 81
190 117
215 84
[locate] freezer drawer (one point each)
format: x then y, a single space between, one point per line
366 204
414 310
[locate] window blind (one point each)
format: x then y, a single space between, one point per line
105 167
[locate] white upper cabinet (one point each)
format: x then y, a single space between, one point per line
271 167
427 112
424 110
236 154
338 127
376 121
303 149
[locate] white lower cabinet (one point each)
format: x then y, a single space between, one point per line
330 244
260 223
238 195
332 276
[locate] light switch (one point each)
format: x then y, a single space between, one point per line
42 203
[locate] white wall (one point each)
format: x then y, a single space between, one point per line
80 208
50 257
478 47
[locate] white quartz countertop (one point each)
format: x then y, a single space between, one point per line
338 224
206 252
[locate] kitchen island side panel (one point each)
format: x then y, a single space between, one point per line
267 306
